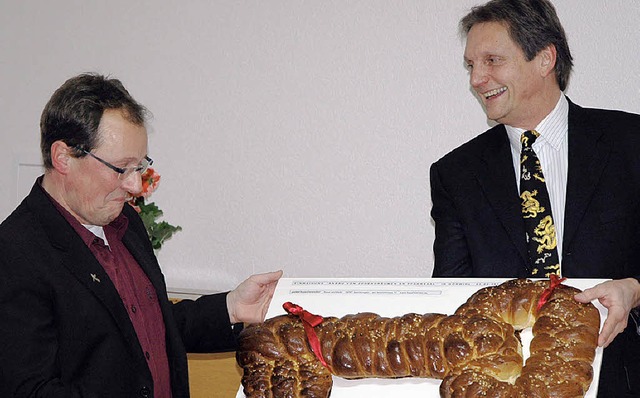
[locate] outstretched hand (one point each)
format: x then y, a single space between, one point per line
250 300
619 297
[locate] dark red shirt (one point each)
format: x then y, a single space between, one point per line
136 291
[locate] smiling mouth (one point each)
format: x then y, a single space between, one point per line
494 93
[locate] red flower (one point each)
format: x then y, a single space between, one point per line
150 181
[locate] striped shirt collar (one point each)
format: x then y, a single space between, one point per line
553 128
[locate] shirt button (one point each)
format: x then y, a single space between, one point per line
133 309
147 355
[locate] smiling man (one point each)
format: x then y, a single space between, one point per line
83 303
554 188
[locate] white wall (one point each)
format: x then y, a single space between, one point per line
289 134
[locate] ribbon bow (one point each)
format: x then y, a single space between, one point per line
309 321
555 281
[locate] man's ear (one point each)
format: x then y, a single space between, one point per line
61 155
547 60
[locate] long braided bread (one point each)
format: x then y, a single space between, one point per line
476 351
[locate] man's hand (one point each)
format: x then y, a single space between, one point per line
619 297
249 301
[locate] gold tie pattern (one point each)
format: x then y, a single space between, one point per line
536 211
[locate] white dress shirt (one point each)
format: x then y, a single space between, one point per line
552 148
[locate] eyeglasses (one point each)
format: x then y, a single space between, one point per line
123 172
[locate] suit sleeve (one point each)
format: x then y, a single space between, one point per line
204 324
451 252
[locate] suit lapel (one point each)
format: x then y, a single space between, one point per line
76 257
498 181
145 258
588 155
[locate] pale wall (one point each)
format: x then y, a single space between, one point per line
289 134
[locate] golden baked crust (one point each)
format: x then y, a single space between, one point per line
476 351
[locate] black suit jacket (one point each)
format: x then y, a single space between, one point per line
480 231
64 334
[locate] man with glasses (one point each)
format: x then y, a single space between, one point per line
83 304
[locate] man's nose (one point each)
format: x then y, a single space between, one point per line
133 183
478 76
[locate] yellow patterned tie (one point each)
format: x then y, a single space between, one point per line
536 211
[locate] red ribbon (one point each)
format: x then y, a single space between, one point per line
309 321
555 281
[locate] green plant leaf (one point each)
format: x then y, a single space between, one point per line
158 231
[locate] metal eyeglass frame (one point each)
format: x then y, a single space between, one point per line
123 172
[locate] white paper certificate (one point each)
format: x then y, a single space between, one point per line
391 297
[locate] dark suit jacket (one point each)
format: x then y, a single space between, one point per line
63 334
480 230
